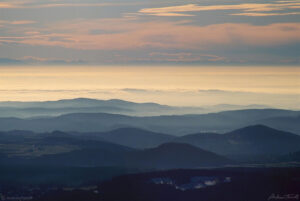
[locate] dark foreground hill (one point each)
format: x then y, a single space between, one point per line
175 125
293 157
176 155
230 184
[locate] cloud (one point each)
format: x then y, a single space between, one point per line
7 61
37 60
220 91
249 7
126 34
102 32
53 5
17 22
171 14
156 91
183 57
265 14
8 5
23 22
212 91
35 4
135 90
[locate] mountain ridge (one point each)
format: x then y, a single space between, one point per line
116 106
255 140
221 122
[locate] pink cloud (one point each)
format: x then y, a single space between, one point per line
23 22
122 34
7 5
17 22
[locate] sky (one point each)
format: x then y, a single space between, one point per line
175 52
179 86
164 32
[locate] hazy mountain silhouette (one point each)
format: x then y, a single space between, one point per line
255 140
132 137
176 125
86 105
114 106
253 143
282 123
69 151
92 153
176 155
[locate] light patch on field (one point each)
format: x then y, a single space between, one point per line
32 151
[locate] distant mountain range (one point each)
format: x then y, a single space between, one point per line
179 125
114 106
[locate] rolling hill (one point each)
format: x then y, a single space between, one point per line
132 137
61 149
175 125
176 155
257 140
113 106
86 105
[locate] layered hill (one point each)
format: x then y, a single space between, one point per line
175 125
132 137
177 155
257 140
61 149
113 106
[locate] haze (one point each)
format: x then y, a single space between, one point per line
180 85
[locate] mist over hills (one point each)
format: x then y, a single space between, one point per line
131 137
58 149
63 149
114 106
245 143
175 125
73 133
177 155
281 123
145 149
74 158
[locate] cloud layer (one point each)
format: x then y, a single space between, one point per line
126 34
157 31
245 8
